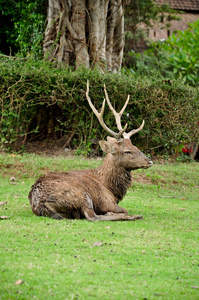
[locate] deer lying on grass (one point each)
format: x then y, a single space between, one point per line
93 194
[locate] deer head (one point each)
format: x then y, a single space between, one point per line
124 153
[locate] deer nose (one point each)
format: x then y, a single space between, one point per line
150 163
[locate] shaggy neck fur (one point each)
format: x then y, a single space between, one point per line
116 178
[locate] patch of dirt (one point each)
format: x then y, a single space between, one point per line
158 159
12 169
142 178
48 147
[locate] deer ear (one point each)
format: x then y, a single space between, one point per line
107 147
111 139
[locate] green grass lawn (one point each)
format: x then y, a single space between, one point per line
155 258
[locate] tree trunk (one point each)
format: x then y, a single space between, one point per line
85 33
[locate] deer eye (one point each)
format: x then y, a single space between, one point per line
127 152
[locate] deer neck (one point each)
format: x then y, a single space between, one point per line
116 178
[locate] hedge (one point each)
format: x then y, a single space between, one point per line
35 94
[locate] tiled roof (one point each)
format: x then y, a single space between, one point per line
181 4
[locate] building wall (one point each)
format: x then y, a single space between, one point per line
159 32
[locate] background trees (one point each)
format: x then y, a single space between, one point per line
83 32
75 32
22 26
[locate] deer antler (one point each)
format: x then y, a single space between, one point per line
118 117
99 115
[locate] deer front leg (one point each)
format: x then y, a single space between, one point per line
116 209
91 216
135 217
111 207
119 209
111 213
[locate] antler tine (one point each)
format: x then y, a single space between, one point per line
117 115
99 115
125 105
134 131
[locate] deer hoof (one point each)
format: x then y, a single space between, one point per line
138 217
57 217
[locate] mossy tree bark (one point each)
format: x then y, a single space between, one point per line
85 32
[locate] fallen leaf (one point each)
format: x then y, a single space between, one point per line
4 217
2 203
19 281
97 244
14 183
195 287
181 209
13 178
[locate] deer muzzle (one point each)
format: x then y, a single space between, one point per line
150 163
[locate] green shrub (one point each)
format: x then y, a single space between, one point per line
177 57
153 62
183 53
170 109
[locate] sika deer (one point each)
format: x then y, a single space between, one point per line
93 194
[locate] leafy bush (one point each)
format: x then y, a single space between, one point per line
170 109
183 53
177 57
153 62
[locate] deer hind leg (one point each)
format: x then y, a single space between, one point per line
56 216
48 211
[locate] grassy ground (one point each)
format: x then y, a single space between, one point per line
156 258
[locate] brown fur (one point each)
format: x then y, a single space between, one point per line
91 194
